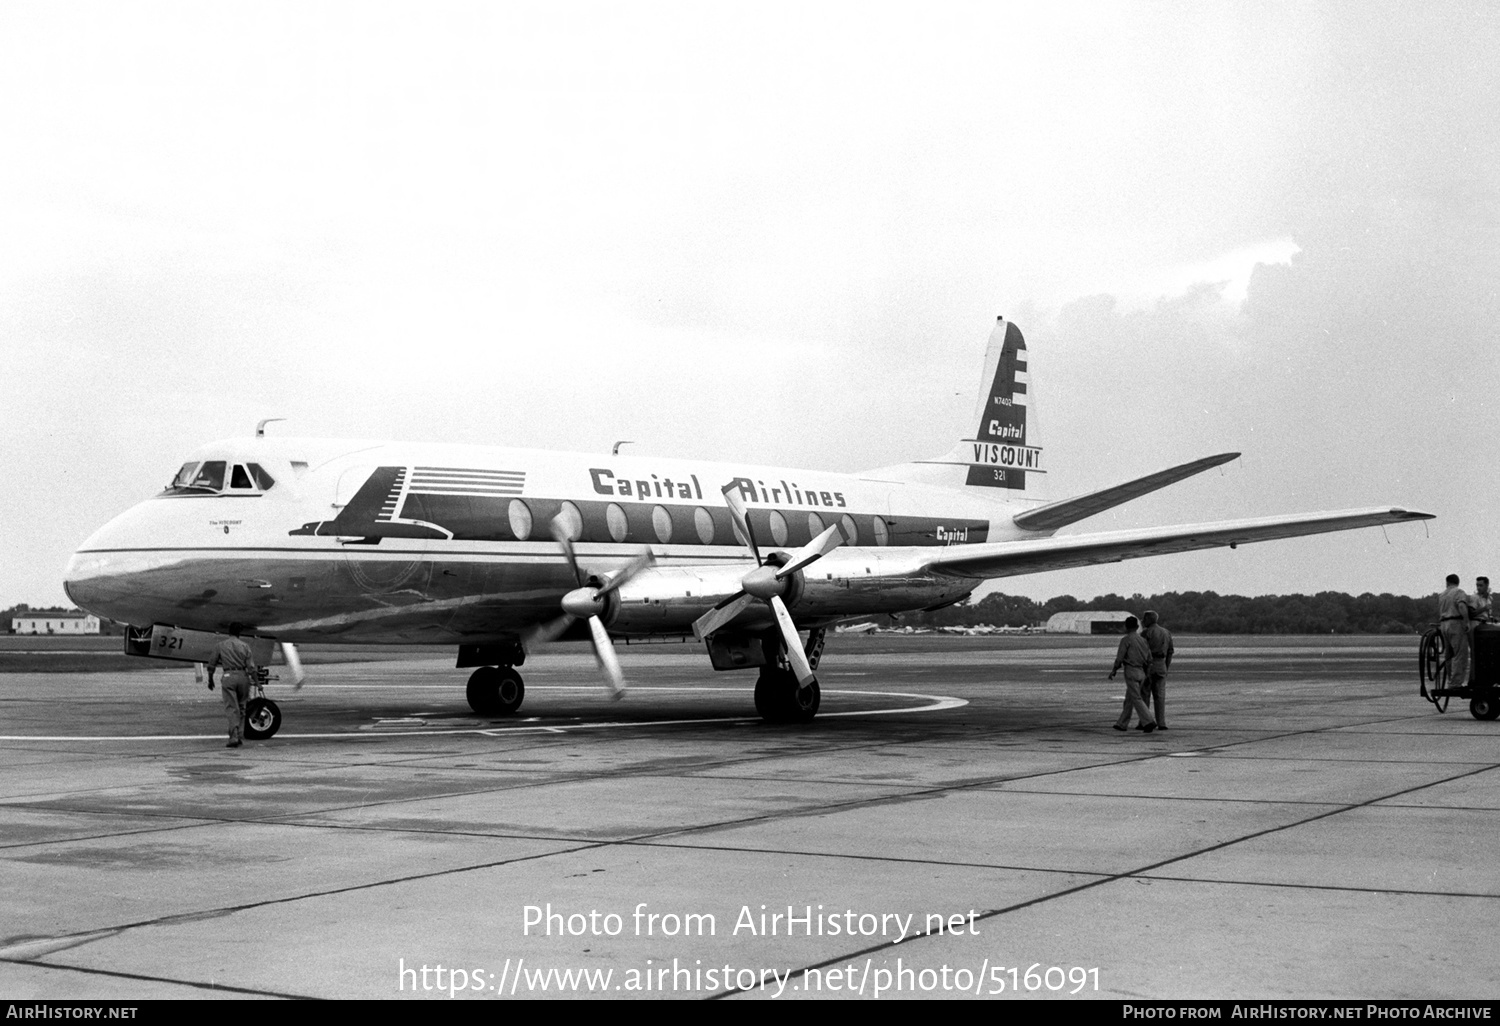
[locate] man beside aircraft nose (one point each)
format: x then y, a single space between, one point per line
239 663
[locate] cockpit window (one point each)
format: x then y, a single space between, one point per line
210 476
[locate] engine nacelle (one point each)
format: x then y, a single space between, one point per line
846 582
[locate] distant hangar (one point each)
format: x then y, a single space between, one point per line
1087 621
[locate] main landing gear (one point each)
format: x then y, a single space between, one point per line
778 697
495 690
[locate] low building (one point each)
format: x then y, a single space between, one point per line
1088 621
74 622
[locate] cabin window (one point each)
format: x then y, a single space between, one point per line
882 531
814 525
704 522
614 519
778 528
661 520
851 533
520 519
571 521
739 535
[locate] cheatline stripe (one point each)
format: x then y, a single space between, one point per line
453 471
436 489
422 485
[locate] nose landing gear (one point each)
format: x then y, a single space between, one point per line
262 716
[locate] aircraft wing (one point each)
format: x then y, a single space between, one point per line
1008 559
1060 514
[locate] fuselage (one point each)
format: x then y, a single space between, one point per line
313 539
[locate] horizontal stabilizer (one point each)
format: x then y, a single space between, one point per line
1068 511
1009 559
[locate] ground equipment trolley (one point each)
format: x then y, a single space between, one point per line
1482 690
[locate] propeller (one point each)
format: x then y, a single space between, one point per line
769 583
588 601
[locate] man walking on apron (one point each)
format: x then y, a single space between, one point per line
239 663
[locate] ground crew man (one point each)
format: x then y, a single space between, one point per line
1453 621
1480 605
1154 690
1135 656
239 663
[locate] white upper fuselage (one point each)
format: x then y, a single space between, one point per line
389 541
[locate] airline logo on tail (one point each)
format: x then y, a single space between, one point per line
999 454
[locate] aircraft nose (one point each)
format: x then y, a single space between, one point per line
102 576
88 580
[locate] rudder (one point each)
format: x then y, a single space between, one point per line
1002 453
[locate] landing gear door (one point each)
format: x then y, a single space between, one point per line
187 646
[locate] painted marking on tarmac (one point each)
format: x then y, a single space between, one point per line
935 703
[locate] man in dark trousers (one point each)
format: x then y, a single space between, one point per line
1154 690
239 663
1134 655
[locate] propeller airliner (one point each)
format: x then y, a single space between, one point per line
499 551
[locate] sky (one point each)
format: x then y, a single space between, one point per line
775 233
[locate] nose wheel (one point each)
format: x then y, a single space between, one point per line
262 719
495 691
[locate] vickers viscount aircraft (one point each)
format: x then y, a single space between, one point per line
497 551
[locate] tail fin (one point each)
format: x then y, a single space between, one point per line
1002 452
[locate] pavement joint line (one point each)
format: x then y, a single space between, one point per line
831 807
1168 797
111 836
196 984
1139 872
185 917
1054 871
509 786
852 856
1404 891
300 819
846 805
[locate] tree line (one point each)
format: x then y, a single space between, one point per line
1203 612
1208 612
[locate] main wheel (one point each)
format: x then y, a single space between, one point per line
768 695
511 691
778 699
1485 706
495 691
802 703
262 719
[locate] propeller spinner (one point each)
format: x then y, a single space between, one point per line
589 601
769 583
